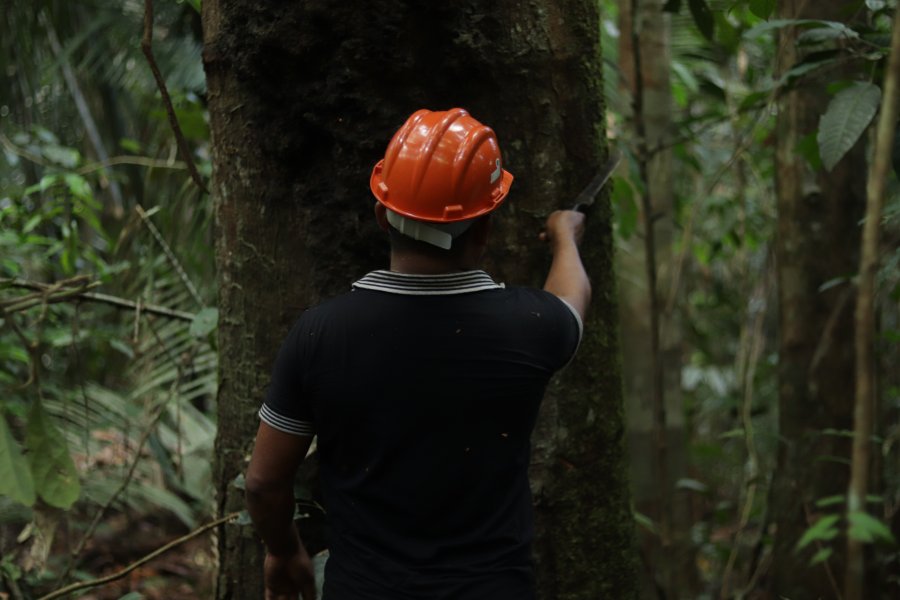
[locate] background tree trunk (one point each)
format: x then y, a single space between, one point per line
667 554
303 99
816 359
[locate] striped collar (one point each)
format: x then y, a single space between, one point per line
444 284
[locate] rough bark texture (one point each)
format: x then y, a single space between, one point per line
816 361
303 98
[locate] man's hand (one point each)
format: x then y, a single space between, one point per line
563 226
290 575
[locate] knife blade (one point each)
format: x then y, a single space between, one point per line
585 200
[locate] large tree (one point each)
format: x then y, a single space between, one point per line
816 209
303 97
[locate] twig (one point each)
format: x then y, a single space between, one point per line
167 250
51 298
140 161
112 161
747 367
147 47
141 561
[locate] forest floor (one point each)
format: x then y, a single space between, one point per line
186 572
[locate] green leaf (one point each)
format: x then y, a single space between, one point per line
822 530
644 521
866 528
762 8
15 478
703 17
805 23
691 484
821 556
79 186
808 148
672 6
830 501
66 157
849 114
204 322
55 477
133 596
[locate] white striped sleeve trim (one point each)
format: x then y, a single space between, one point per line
285 424
580 329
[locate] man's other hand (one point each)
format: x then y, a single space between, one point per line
290 575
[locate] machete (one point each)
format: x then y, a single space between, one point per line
585 200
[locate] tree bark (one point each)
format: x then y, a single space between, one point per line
303 99
816 358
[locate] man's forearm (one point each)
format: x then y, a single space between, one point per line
567 278
272 511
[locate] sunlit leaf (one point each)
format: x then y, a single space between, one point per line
55 477
847 117
15 477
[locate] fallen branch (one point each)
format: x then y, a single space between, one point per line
147 47
52 294
141 561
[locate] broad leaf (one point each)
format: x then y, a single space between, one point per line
672 6
703 17
806 23
55 477
866 528
821 556
762 8
822 530
847 117
204 322
15 478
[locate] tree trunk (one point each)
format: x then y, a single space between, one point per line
303 99
667 553
816 359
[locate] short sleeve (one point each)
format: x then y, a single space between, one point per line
567 330
286 406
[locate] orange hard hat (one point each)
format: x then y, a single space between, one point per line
441 167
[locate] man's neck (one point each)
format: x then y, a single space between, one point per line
414 264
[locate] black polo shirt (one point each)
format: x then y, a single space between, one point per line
423 391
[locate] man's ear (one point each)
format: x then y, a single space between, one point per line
381 216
